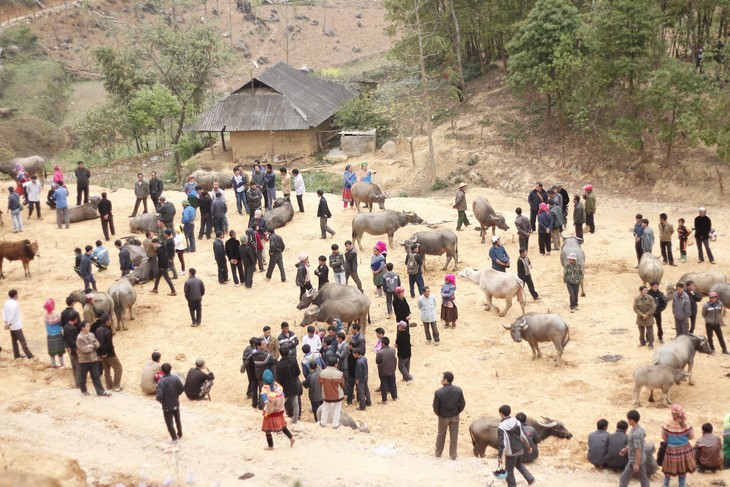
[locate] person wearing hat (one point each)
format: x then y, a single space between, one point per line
141 192
33 195
449 311
199 381
500 259
400 306
188 220
712 313
302 279
460 206
349 178
15 207
644 307
703 227
272 399
572 277
590 199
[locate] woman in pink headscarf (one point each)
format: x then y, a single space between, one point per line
679 457
54 332
383 249
57 174
449 312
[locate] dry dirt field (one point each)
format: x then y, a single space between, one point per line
51 429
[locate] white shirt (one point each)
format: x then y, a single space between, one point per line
299 188
179 242
33 190
427 306
315 343
221 191
11 315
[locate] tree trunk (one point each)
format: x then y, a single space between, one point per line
462 82
548 114
422 62
413 153
560 115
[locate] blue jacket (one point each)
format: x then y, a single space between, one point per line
270 179
544 222
188 214
60 196
85 265
498 253
349 179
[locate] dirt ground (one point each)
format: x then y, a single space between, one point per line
51 429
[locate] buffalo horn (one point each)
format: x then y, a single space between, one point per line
506 327
549 423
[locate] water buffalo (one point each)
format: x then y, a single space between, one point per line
385 222
348 309
22 250
347 421
572 245
680 353
146 222
281 214
329 290
541 327
205 179
87 211
136 252
723 293
650 268
103 303
368 193
656 377
124 296
437 242
487 217
33 165
704 280
497 284
143 272
483 432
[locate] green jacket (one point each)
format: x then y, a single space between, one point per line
644 304
590 203
572 274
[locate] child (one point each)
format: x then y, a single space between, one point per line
377 266
683 233
449 312
391 280
322 271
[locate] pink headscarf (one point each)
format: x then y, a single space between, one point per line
380 246
451 278
49 305
678 414
543 207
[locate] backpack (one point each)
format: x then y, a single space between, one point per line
411 264
390 282
251 237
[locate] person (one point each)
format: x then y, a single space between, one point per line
288 338
349 178
427 306
532 438
33 195
206 226
498 255
85 269
387 363
219 253
726 442
449 311
666 230
524 272
51 196
166 212
108 355
332 382
270 186
617 441
703 227
401 308
683 234
299 189
218 210
60 196
232 251
572 277
647 237
682 310
644 307
239 182
276 248
312 339
248 366
302 279
287 373
391 281
337 264
15 207
634 450
70 334
194 290
590 198
598 444
285 183
661 304
150 374
460 206
253 196
260 237
272 400
694 298
537 197
366 175
141 192
557 213
511 443
322 271
188 221
247 254
679 459
168 392
82 182
169 244
87 346
544 227
638 231
199 381
448 404
107 218
579 216
377 268
156 188
57 173
351 265
163 266
323 212
125 260
522 225
708 450
271 344
712 313
54 333
361 376
191 190
315 389
565 198
403 349
100 256
414 268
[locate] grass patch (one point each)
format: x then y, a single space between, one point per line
439 185
326 181
37 87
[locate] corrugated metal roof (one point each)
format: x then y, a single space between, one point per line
298 102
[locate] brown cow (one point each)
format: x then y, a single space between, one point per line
23 250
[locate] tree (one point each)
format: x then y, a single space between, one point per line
151 108
98 130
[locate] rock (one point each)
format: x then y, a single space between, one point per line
329 32
180 356
301 17
390 148
314 22
273 18
356 50
226 35
274 11
358 15
359 24
262 59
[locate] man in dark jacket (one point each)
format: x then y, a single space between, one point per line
219 252
105 213
524 272
205 218
532 438
661 304
218 210
199 381
262 360
170 249
269 186
82 183
617 441
511 443
276 247
70 334
536 196
108 355
287 374
85 269
247 254
323 212
598 444
250 368
403 348
694 298
387 364
194 291
361 377
125 260
351 265
233 254
163 266
448 403
253 196
703 227
169 389
156 187
167 213
566 200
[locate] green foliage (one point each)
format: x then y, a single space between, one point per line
439 184
152 109
363 113
123 73
189 145
326 181
21 36
472 161
36 86
99 130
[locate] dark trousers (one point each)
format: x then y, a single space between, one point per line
107 226
37 205
248 275
579 230
646 335
82 189
155 201
189 232
717 330
196 310
136 205
169 415
237 271
462 220
154 266
349 388
543 242
260 259
300 202
692 322
416 279
524 241
533 219
681 327
270 437
355 279
363 394
265 193
304 289
17 337
222 271
204 225
530 286
219 224
387 384
452 424
590 222
512 463
164 273
84 369
639 250
429 328
667 252
573 292
315 406
706 241
74 356
253 384
89 281
659 331
276 260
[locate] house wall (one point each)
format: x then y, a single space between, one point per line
253 145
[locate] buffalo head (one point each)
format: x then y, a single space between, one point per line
307 298
280 202
310 315
554 428
31 249
501 224
408 243
516 329
412 217
701 344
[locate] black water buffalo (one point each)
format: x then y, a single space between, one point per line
680 353
281 214
436 242
541 327
385 222
368 193
483 432
487 217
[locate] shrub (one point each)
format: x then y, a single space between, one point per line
439 184
363 113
